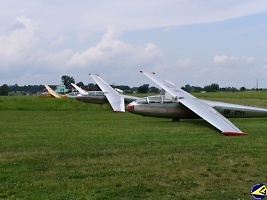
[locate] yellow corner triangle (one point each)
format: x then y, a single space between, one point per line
260 191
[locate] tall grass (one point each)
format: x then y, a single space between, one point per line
34 103
65 149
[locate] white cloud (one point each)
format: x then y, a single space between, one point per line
88 15
250 59
147 14
217 59
220 58
112 51
61 40
71 37
16 46
56 61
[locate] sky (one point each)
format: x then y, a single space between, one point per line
184 41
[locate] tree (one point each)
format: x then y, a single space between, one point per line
67 80
143 88
154 89
212 88
4 90
91 87
243 89
122 87
80 84
188 88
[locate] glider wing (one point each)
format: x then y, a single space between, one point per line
202 109
115 99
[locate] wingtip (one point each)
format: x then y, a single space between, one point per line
150 72
234 133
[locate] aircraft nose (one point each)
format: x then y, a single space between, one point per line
130 107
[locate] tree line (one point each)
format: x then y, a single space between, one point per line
67 80
214 87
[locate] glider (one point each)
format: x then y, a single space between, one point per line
108 95
80 92
88 97
182 105
51 93
114 96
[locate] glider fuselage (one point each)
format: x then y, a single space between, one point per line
99 97
176 110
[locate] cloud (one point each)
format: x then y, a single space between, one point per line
22 50
61 40
56 61
148 14
127 14
112 51
16 46
217 59
39 43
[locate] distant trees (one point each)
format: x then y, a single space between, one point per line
212 88
80 84
122 87
187 88
143 88
30 89
67 80
4 90
243 89
154 89
228 89
91 87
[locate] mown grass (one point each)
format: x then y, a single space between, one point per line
65 149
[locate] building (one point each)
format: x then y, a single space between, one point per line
61 89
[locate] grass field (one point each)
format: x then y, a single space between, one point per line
65 149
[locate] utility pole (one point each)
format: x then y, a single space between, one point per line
257 85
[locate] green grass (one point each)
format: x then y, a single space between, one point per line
65 149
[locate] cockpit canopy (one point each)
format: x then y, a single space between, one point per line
96 93
155 99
